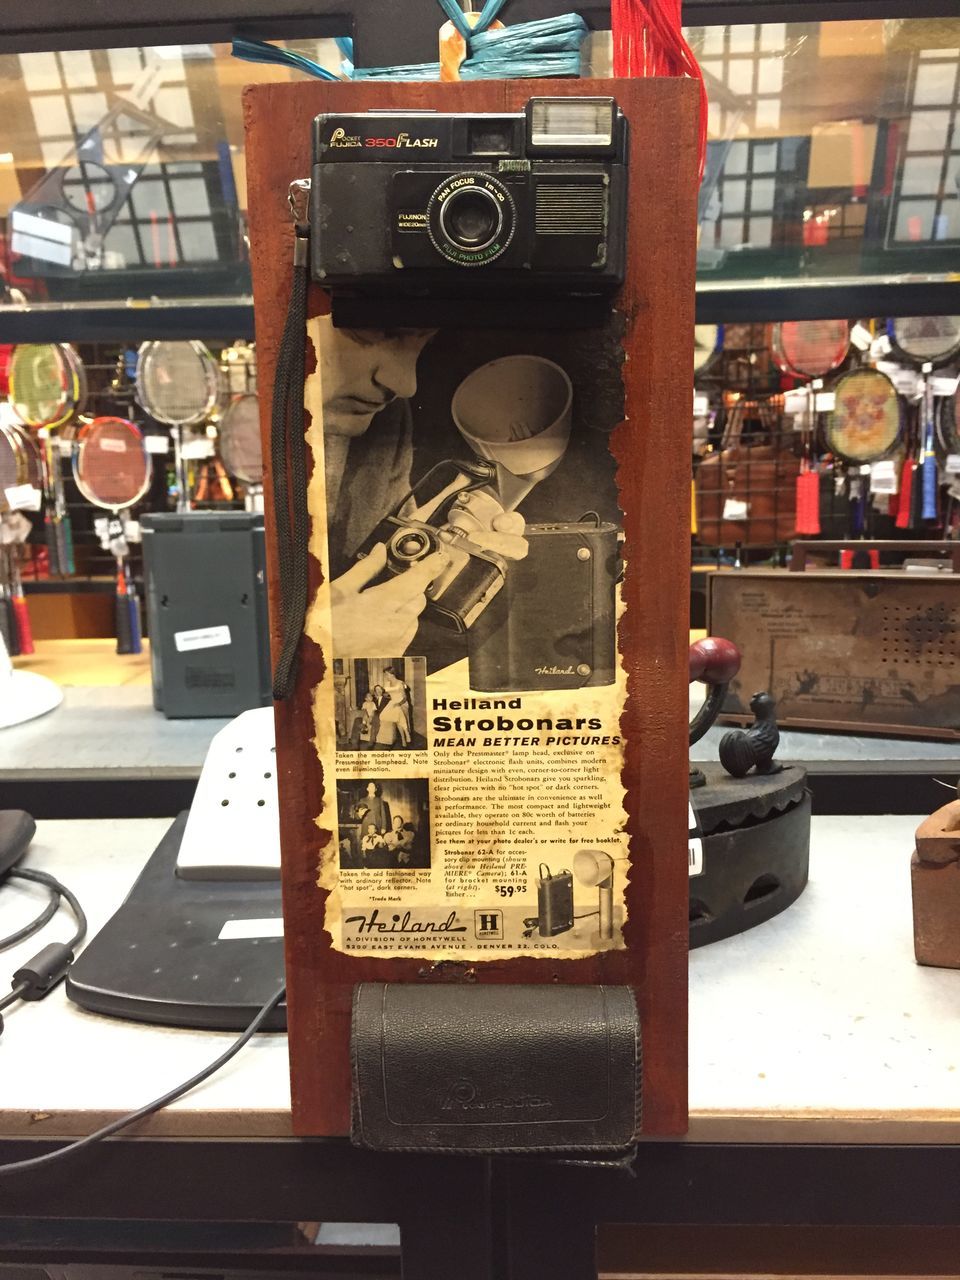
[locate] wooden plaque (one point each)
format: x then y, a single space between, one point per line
649 382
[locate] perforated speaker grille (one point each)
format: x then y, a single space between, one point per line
920 638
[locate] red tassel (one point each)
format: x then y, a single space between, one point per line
906 491
808 503
648 41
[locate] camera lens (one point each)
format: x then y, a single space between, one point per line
471 218
407 546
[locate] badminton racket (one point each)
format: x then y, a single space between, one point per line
866 421
927 341
178 384
47 389
810 349
241 448
707 340
112 469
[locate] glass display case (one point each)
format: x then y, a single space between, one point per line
833 160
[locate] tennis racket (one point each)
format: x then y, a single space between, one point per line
112 469
927 341
178 384
866 422
241 448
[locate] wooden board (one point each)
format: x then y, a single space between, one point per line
652 448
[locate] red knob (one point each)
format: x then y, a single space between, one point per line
714 661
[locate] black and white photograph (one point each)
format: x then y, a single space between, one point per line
384 824
472 504
380 704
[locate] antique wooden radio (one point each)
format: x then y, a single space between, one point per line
864 651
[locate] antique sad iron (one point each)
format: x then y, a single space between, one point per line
750 815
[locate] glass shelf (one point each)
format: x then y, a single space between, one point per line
833 160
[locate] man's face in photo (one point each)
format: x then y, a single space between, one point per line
362 370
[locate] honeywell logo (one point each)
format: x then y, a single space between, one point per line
464 1096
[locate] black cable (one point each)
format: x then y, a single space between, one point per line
37 1162
13 996
57 887
36 924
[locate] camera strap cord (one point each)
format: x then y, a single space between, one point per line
288 462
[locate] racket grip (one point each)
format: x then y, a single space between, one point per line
122 617
53 542
22 618
69 564
136 622
9 623
929 508
906 492
61 537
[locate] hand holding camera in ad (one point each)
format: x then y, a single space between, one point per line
515 415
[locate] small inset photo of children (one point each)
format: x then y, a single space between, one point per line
380 704
384 825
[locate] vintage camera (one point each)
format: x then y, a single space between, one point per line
451 502
453 204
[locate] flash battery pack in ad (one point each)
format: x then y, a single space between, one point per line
554 902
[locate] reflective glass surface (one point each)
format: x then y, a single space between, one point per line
834 150
122 171
833 154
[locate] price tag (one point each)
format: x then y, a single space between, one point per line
880 347
131 530
795 401
22 497
701 404
694 844
908 383
157 443
826 401
734 509
952 466
64 446
860 337
944 386
201 448
883 477
109 445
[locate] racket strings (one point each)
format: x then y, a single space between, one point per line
866 421
927 337
240 444
42 384
10 467
177 382
113 468
814 347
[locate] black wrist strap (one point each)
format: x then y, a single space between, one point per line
288 465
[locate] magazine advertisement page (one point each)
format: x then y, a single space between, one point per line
464 508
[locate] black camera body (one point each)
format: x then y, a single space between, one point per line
453 501
435 203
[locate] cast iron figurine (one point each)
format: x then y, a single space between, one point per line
744 749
